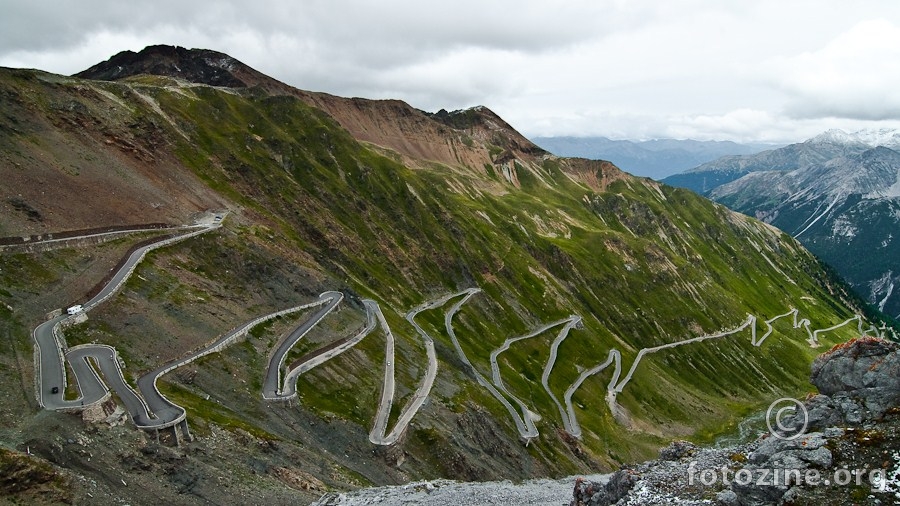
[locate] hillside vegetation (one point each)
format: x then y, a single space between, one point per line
313 208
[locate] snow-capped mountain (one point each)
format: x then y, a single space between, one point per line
838 193
887 137
813 152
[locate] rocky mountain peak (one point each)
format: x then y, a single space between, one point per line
887 137
203 66
487 125
472 132
834 136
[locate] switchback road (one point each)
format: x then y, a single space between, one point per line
50 360
615 386
528 418
377 435
151 410
272 386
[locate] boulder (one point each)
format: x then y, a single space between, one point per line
862 376
677 450
588 493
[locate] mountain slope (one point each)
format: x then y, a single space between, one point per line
846 210
425 205
706 177
477 137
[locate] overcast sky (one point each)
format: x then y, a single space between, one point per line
754 70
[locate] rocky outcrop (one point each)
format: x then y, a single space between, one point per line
851 426
589 493
864 372
858 383
678 450
202 66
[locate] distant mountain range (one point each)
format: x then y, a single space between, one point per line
655 158
838 193
815 151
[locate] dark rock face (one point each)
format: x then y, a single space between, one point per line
595 494
858 381
858 366
806 452
194 65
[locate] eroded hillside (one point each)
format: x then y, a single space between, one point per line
401 220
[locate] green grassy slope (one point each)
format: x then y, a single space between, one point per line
644 265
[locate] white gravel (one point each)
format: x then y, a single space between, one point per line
443 492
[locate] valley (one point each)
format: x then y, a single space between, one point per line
836 192
150 410
541 287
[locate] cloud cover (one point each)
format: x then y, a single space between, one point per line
764 70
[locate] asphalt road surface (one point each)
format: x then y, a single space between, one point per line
272 380
50 356
322 355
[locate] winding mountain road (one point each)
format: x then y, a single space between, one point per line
571 421
324 354
528 417
166 413
273 389
616 387
574 321
377 434
50 356
415 402
525 425
149 409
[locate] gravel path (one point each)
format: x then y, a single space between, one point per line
444 492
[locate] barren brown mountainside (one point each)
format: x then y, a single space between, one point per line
88 161
419 137
90 135
491 311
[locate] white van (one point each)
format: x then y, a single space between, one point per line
77 308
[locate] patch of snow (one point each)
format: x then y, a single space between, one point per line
884 284
892 191
836 136
887 137
887 296
843 227
222 63
835 201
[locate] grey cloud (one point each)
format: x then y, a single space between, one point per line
378 32
867 108
633 68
